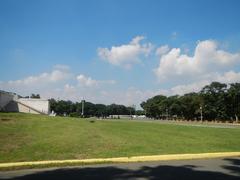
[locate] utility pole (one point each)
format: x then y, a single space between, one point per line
131 113
201 114
82 107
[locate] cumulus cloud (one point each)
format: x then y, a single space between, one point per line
184 89
162 50
69 88
60 83
89 82
55 76
135 96
227 77
43 83
185 73
207 59
127 54
86 81
191 73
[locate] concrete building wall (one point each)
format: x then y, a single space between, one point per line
38 104
25 109
120 116
11 102
5 98
12 106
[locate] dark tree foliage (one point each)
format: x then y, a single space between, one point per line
139 112
36 96
214 98
99 110
217 101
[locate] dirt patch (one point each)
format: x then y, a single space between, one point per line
5 119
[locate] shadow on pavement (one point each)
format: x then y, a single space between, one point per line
235 167
152 173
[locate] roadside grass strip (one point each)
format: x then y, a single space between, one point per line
75 162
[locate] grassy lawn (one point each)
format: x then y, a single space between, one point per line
25 137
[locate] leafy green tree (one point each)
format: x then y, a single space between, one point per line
101 110
214 97
154 107
140 112
233 101
190 104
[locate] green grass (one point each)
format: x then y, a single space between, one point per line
25 137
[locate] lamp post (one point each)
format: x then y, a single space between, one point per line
82 107
130 109
201 114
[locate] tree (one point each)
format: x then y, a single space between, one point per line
175 106
190 104
140 112
155 107
35 96
214 96
233 101
216 100
101 110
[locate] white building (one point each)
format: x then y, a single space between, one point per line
11 102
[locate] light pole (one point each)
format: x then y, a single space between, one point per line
201 114
131 107
82 107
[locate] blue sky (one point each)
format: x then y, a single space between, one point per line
117 51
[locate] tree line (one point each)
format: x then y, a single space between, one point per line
74 109
216 101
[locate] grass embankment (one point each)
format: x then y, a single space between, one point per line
25 137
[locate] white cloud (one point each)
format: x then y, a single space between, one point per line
191 73
185 73
207 59
107 82
162 50
127 54
183 89
85 81
227 77
129 96
60 83
69 88
56 75
43 83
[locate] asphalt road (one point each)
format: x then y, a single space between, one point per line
220 169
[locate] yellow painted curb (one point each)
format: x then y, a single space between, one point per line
21 165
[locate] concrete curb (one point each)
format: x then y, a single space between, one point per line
22 165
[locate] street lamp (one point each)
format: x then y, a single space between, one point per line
82 107
201 114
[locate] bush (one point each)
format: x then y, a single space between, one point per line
74 114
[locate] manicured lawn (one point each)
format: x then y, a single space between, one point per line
25 137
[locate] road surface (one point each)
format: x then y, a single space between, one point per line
220 169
